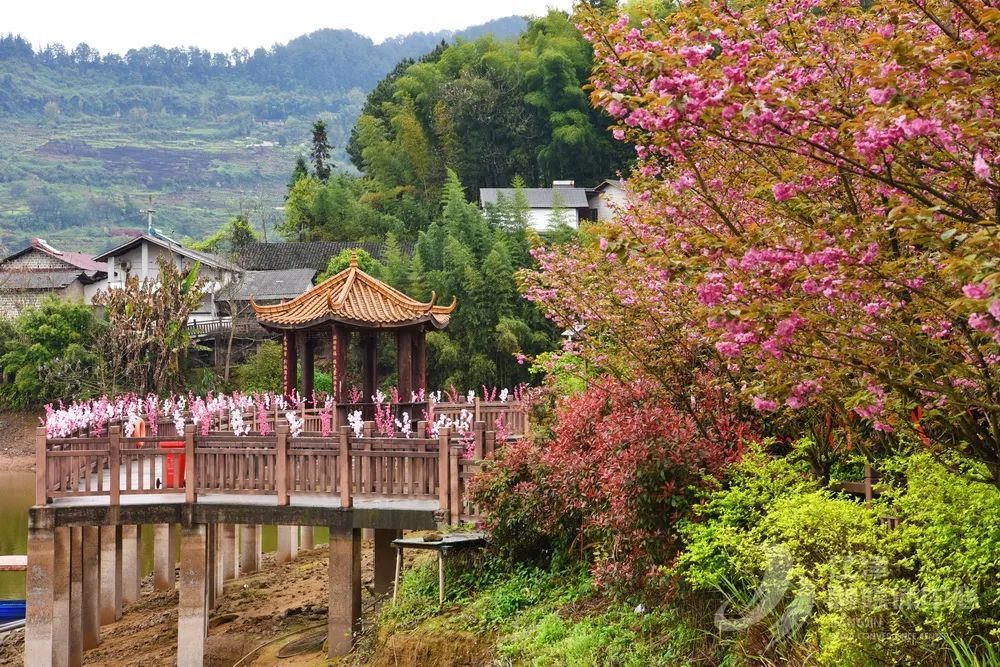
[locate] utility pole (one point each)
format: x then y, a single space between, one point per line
149 216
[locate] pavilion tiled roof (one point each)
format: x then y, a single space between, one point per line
354 298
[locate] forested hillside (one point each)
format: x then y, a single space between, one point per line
87 136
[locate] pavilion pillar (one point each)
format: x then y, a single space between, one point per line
91 620
192 609
420 360
385 559
164 546
131 565
290 360
76 596
369 380
307 352
404 349
250 547
230 552
60 600
111 574
344 608
339 341
288 544
45 560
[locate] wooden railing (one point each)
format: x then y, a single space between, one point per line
340 466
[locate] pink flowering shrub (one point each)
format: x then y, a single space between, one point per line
813 216
623 465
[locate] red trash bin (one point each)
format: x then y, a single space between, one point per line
174 464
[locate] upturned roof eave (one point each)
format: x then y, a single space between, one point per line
329 318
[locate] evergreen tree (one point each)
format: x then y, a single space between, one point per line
320 152
300 171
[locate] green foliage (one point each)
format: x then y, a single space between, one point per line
46 354
910 595
228 240
538 617
366 263
320 151
468 256
262 371
487 110
145 340
334 210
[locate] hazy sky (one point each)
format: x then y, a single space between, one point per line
220 25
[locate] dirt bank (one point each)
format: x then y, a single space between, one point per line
17 441
280 604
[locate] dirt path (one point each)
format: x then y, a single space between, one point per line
268 606
17 441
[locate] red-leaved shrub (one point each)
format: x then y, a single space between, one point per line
621 467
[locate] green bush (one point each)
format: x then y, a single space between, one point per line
262 371
878 596
46 354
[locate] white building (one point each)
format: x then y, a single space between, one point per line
39 270
576 203
140 257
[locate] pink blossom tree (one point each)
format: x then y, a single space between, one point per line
815 215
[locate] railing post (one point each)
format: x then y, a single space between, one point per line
479 432
190 483
490 443
443 466
41 468
476 411
114 464
367 462
454 479
345 467
281 467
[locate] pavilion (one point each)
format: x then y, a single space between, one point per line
353 303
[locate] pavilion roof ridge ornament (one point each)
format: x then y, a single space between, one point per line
354 298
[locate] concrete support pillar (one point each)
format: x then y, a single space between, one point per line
163 556
344 615
41 578
192 612
250 548
230 552
60 599
111 574
307 538
211 568
220 573
385 559
76 597
91 621
288 544
131 563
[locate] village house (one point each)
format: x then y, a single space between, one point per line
39 270
140 257
565 198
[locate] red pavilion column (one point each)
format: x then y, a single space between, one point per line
369 360
308 366
290 357
339 341
420 360
404 348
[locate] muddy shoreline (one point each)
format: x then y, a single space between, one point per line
17 441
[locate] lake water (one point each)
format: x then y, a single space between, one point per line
17 495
